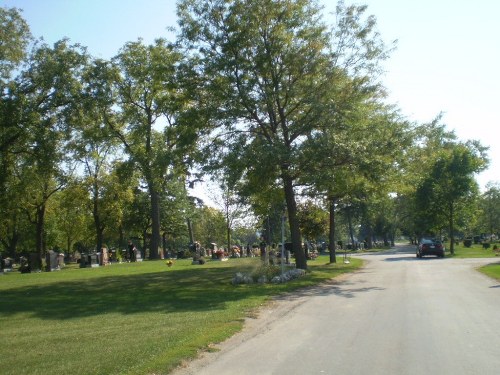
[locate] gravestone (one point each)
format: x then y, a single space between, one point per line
94 260
83 260
60 260
138 256
51 261
24 266
35 262
7 264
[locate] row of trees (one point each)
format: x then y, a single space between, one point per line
285 110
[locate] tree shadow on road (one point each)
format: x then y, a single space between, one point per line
329 288
412 259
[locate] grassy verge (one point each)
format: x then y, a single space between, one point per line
491 270
137 318
475 251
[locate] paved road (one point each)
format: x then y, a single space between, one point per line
398 315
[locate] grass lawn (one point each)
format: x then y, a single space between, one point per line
475 251
492 270
135 318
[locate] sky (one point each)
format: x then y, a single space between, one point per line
447 57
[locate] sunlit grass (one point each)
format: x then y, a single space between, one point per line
475 251
492 270
135 318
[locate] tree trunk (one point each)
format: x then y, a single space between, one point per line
228 238
163 245
155 222
69 245
331 233
97 219
386 239
452 235
369 240
291 204
121 241
351 231
190 230
40 226
10 243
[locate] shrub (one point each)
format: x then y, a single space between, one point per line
265 271
468 242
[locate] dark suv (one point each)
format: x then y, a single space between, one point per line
430 247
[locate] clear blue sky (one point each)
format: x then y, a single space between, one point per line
447 58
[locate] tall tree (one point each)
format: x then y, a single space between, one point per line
158 133
47 87
449 184
490 207
95 147
271 66
15 37
227 199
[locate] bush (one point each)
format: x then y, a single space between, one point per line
468 242
265 271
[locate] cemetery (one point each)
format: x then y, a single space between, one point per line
162 313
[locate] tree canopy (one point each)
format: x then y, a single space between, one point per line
283 107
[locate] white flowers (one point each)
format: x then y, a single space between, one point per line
241 278
288 275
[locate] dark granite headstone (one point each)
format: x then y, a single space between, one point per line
83 260
24 265
51 261
35 262
94 260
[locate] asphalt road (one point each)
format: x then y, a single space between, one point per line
398 315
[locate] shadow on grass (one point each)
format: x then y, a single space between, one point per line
141 289
172 291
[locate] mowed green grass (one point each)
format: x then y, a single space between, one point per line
136 318
492 270
475 251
